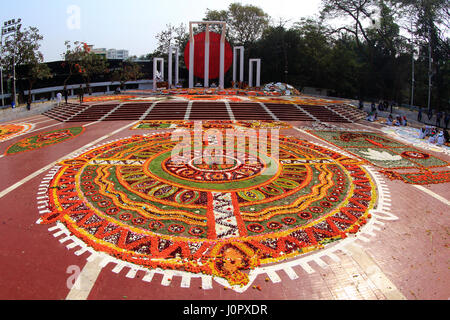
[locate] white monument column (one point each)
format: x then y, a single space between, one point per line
206 79
191 56
177 66
155 70
169 80
258 72
173 50
241 62
222 58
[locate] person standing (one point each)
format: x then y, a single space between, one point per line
430 114
419 115
66 95
438 118
446 119
81 94
361 105
59 98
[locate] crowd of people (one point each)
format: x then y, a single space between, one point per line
430 133
439 117
434 136
397 121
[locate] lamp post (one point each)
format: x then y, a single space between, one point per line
9 27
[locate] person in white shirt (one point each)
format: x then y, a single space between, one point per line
59 98
440 138
422 134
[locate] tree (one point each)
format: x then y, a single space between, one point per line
127 71
314 49
22 48
37 71
358 11
430 24
80 61
172 36
246 23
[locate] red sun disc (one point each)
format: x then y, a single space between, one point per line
214 55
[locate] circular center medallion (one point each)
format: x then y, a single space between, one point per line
220 169
212 173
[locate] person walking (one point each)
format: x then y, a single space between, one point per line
59 98
66 95
419 115
438 118
81 94
430 114
446 119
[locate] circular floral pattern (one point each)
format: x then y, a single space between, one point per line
132 200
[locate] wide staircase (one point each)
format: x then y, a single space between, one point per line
168 111
350 112
64 112
249 111
324 114
214 110
129 111
288 112
209 111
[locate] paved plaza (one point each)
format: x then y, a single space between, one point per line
96 206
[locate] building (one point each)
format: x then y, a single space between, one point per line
112 53
100 51
117 54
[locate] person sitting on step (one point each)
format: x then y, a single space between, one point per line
390 120
404 121
440 138
422 133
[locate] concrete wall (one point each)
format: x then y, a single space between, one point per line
10 114
143 84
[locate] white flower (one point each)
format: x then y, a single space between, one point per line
381 155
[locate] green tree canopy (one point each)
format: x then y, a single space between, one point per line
246 23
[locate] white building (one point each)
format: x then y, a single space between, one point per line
112 53
117 54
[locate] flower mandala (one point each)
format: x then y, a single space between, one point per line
132 200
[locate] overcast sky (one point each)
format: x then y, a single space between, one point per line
127 24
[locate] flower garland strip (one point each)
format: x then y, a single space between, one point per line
422 178
108 98
263 124
156 124
238 94
9 131
211 124
44 140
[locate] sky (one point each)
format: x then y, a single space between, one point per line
127 24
